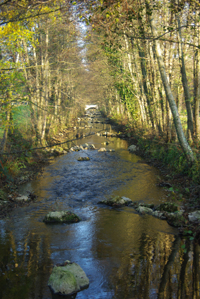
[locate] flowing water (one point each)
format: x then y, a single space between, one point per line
124 255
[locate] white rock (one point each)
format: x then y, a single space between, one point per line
132 148
194 216
22 198
102 149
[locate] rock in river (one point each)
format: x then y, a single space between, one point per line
144 210
67 279
61 217
102 149
83 159
132 148
117 201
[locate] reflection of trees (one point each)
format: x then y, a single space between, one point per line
24 268
195 288
168 265
146 268
162 269
182 289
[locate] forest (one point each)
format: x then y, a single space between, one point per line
138 60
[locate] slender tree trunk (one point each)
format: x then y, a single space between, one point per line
179 130
185 84
197 86
197 96
144 81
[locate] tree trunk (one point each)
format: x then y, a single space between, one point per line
179 130
197 85
185 85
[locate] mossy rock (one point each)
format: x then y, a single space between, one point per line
168 207
117 201
144 210
61 217
68 279
176 219
83 159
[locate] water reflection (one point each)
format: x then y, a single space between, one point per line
145 266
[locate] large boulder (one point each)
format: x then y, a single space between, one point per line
61 217
67 279
117 201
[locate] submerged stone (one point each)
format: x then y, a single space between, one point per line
68 279
61 217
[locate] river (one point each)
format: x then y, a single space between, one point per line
124 255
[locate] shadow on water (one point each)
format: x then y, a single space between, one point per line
124 255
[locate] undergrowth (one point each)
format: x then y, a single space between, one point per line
172 156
